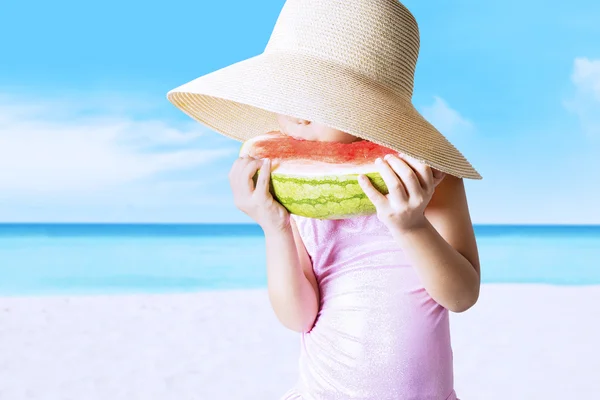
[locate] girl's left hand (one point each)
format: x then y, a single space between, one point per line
410 184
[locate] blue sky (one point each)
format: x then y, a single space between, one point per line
86 133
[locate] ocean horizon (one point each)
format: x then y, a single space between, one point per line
216 229
110 258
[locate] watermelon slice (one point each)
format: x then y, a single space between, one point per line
319 179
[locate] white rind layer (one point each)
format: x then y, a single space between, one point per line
314 168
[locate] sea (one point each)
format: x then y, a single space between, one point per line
83 259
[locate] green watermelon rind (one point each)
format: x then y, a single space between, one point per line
324 197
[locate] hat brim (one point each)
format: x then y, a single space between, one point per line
242 101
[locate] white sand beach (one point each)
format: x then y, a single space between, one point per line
519 342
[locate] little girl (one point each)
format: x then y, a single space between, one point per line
369 295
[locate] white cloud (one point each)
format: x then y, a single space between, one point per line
585 103
447 120
586 76
59 147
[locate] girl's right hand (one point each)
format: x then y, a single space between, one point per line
257 202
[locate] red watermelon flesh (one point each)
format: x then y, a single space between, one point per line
275 145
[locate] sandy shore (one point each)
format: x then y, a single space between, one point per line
519 342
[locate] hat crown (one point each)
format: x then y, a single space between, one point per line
377 39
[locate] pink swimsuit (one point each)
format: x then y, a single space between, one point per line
378 334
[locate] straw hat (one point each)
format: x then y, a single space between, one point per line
348 64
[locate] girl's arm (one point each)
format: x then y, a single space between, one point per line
293 289
429 217
443 249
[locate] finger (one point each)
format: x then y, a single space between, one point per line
407 175
235 172
240 163
378 199
264 178
236 166
395 186
246 176
423 171
438 177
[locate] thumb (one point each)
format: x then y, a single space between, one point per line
378 199
264 178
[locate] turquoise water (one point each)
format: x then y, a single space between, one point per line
85 259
